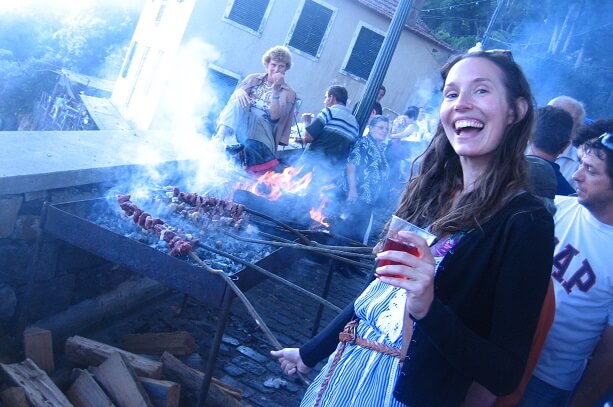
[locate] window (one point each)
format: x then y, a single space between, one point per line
160 13
311 27
223 83
126 65
158 17
137 75
366 45
248 14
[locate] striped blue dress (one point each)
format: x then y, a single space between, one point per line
364 377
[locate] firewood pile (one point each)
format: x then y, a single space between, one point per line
145 372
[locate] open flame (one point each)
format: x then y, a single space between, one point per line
272 184
318 214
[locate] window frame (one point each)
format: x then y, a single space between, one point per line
324 38
258 33
356 34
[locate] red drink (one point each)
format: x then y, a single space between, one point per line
393 244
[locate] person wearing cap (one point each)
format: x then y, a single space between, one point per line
582 331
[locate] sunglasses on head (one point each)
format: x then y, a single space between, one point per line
494 52
505 53
606 139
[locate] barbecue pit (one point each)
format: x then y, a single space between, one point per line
97 227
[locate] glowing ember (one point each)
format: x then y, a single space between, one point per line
273 184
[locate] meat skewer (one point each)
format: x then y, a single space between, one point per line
205 209
178 245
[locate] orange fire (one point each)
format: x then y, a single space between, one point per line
318 214
272 184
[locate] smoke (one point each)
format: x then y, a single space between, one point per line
179 108
567 52
41 7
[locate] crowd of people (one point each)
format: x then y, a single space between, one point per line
512 304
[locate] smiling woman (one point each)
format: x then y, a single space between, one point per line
461 312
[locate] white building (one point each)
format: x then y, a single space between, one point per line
162 80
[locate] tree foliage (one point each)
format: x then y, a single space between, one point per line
563 46
36 44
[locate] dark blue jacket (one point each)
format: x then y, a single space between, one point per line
489 291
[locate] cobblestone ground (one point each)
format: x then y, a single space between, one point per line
244 359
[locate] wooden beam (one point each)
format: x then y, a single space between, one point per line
40 391
87 352
86 392
177 343
78 317
119 380
38 346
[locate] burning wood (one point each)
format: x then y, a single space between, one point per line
272 184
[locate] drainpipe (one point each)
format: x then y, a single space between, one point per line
379 69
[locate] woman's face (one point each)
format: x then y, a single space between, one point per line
276 66
475 112
380 130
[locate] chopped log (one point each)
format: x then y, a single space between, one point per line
191 379
40 391
86 392
87 352
38 346
119 380
162 393
177 343
128 295
14 397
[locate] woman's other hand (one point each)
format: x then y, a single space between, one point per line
290 361
414 274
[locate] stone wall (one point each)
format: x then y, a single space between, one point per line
41 270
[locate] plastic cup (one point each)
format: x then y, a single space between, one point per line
394 242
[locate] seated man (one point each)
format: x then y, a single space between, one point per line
258 113
331 136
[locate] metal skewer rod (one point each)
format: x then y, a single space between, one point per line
300 246
250 308
300 236
365 249
272 276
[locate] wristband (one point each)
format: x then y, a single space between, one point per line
276 97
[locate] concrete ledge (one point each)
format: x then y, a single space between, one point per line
36 161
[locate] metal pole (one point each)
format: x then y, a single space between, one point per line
382 62
488 30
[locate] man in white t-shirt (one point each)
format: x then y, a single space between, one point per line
582 331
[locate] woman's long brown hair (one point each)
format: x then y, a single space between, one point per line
428 198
